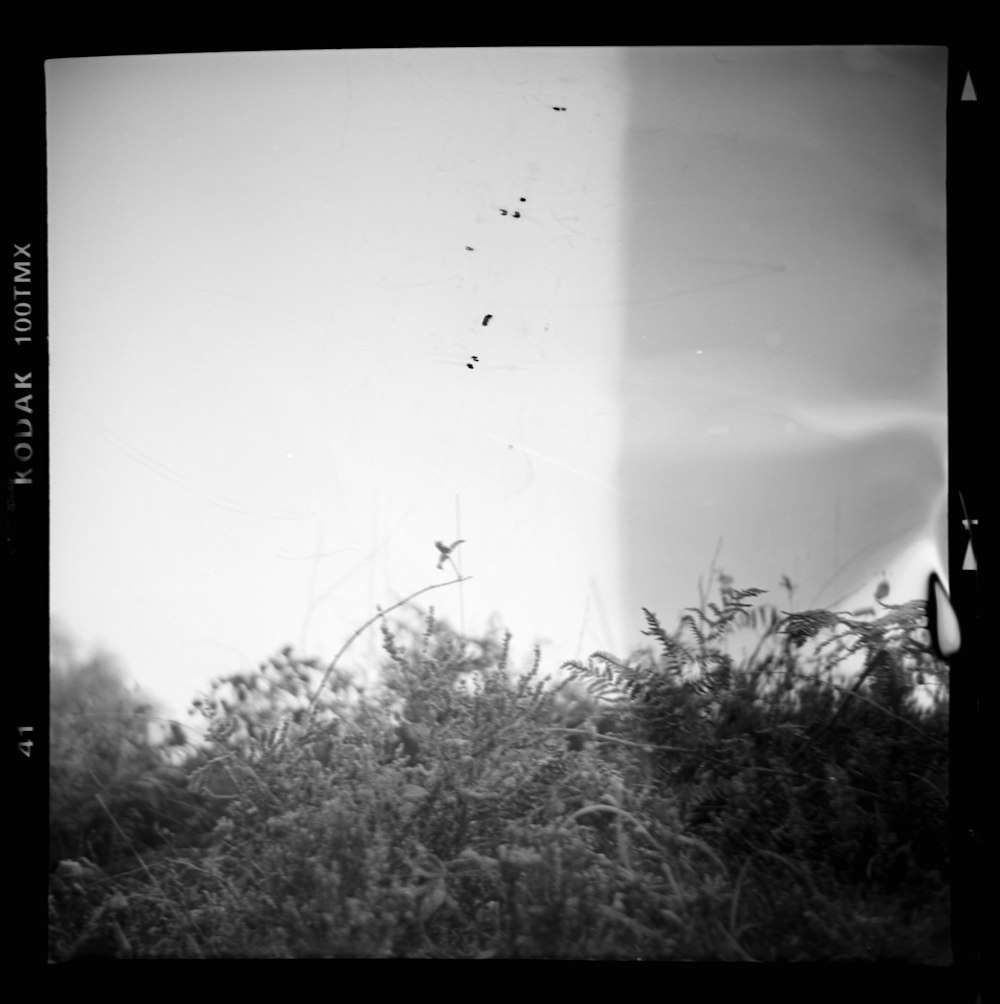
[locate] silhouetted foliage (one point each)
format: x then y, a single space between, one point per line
682 803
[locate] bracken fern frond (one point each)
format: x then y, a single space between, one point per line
675 653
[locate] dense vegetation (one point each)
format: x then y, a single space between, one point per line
683 803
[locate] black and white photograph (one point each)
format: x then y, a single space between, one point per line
500 504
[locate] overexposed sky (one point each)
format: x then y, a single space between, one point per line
719 313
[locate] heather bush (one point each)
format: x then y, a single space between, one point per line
682 803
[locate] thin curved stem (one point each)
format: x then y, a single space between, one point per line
371 620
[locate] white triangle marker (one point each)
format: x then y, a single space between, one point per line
969 561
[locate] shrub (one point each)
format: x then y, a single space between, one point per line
679 804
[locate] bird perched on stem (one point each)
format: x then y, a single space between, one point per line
445 551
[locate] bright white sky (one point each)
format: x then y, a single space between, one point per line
720 313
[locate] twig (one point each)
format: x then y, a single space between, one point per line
350 641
